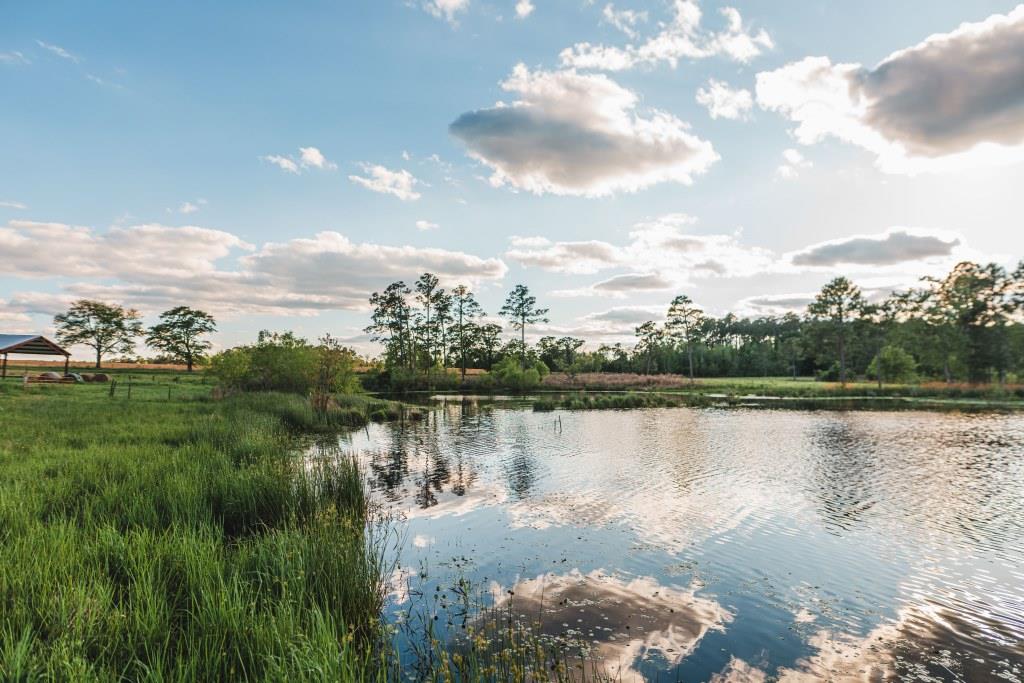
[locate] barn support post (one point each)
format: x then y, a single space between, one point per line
3 374
67 362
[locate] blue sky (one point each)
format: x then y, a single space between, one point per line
152 154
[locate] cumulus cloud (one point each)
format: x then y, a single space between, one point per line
625 20
309 157
563 257
724 102
660 254
283 163
792 163
59 51
446 9
426 225
380 179
898 245
524 8
953 101
682 37
139 251
13 205
154 266
579 134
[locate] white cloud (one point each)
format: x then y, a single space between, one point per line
772 304
792 163
951 102
401 183
724 102
446 9
13 205
309 157
682 37
190 207
129 265
13 57
563 257
895 246
579 134
426 225
59 51
524 8
660 255
284 163
137 252
624 20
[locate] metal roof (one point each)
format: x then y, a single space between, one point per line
31 344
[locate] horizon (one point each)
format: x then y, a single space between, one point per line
274 167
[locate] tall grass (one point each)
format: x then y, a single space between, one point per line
168 541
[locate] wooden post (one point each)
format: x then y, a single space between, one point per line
129 387
3 375
67 361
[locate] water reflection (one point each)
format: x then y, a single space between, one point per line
625 621
811 545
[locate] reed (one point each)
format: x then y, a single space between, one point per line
182 540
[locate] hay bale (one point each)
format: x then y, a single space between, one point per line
100 377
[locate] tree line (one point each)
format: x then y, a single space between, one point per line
963 326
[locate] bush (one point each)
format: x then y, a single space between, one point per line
893 364
510 375
284 362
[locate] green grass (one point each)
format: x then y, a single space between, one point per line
155 539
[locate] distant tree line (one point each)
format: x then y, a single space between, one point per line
966 326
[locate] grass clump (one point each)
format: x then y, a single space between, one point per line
182 540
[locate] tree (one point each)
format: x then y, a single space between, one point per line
683 324
106 328
391 324
178 334
648 338
426 294
892 364
521 310
839 302
464 310
487 338
977 302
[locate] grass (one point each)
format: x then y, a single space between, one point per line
164 540
779 387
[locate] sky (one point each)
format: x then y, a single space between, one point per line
275 163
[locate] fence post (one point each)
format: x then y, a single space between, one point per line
129 387
113 386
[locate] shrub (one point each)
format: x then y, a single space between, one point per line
893 364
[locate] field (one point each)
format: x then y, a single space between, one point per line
180 538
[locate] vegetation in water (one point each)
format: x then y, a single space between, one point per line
181 540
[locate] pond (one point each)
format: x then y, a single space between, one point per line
721 545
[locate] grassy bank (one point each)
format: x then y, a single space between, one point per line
665 399
777 387
180 539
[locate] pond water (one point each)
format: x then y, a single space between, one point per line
723 545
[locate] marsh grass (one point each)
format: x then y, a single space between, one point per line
462 633
182 540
